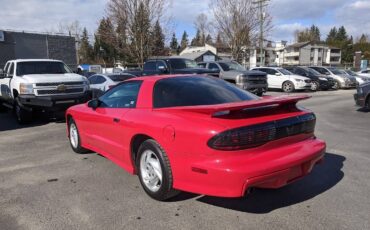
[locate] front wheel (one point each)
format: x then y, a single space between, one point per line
288 87
155 171
23 116
315 86
336 85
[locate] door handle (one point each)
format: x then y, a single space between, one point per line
116 120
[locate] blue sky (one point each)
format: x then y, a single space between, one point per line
288 15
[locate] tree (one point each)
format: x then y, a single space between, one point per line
332 35
85 50
363 39
339 38
311 34
106 42
342 34
202 25
158 48
174 44
139 17
184 41
238 22
197 40
209 39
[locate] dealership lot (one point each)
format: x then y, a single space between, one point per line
44 185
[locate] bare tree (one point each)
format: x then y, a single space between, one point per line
202 25
238 22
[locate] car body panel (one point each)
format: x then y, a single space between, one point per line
183 132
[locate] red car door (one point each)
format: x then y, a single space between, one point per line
106 124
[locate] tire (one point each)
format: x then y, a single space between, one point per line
315 86
288 87
260 94
367 104
336 85
154 171
74 138
23 116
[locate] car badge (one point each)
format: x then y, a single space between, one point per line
62 87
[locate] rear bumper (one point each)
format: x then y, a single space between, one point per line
53 102
266 168
359 99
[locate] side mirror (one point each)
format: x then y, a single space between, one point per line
277 74
162 68
94 104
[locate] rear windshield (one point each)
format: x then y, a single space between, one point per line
182 63
118 78
41 67
190 91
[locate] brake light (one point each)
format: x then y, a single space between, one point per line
257 135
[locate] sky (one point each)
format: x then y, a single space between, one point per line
287 15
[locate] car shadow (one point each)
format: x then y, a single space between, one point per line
322 178
363 110
8 121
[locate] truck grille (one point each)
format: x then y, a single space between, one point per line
55 91
60 83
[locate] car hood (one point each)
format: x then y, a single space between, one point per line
49 78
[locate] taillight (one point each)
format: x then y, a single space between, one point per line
257 135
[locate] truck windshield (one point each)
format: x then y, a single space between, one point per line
227 66
182 63
41 67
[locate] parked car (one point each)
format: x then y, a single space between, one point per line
362 97
279 78
171 65
252 81
360 79
198 134
342 80
319 81
31 85
99 83
364 72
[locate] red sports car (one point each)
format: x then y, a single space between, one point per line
198 134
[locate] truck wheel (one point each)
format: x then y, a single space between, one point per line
154 171
288 87
74 137
260 94
23 116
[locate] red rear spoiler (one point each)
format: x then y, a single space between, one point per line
223 109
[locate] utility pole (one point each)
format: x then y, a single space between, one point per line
261 4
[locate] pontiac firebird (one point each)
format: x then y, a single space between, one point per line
198 134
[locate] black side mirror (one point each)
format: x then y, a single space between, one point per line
94 104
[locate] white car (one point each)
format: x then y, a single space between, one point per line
359 78
99 83
279 78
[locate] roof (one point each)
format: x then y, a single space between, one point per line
196 55
298 45
24 60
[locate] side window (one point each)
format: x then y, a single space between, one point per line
300 72
150 66
122 96
100 80
6 67
161 65
213 66
271 71
202 65
92 79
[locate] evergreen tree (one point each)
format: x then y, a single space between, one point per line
219 42
197 40
184 41
174 44
158 48
363 39
332 35
85 51
106 41
342 34
209 39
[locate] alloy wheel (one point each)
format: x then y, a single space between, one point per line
151 170
73 135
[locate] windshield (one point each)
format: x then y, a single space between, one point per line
190 91
336 71
312 71
118 78
41 67
350 72
227 66
285 72
182 63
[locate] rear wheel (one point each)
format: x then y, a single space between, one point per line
74 137
288 87
155 171
23 116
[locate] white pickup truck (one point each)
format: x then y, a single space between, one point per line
31 85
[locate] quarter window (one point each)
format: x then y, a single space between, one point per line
213 66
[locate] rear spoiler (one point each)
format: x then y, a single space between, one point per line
224 109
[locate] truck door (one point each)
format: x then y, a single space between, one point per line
150 68
5 92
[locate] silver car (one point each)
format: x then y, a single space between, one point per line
342 80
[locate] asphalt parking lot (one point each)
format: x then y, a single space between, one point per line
44 185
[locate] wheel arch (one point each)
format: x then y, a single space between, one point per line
135 143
